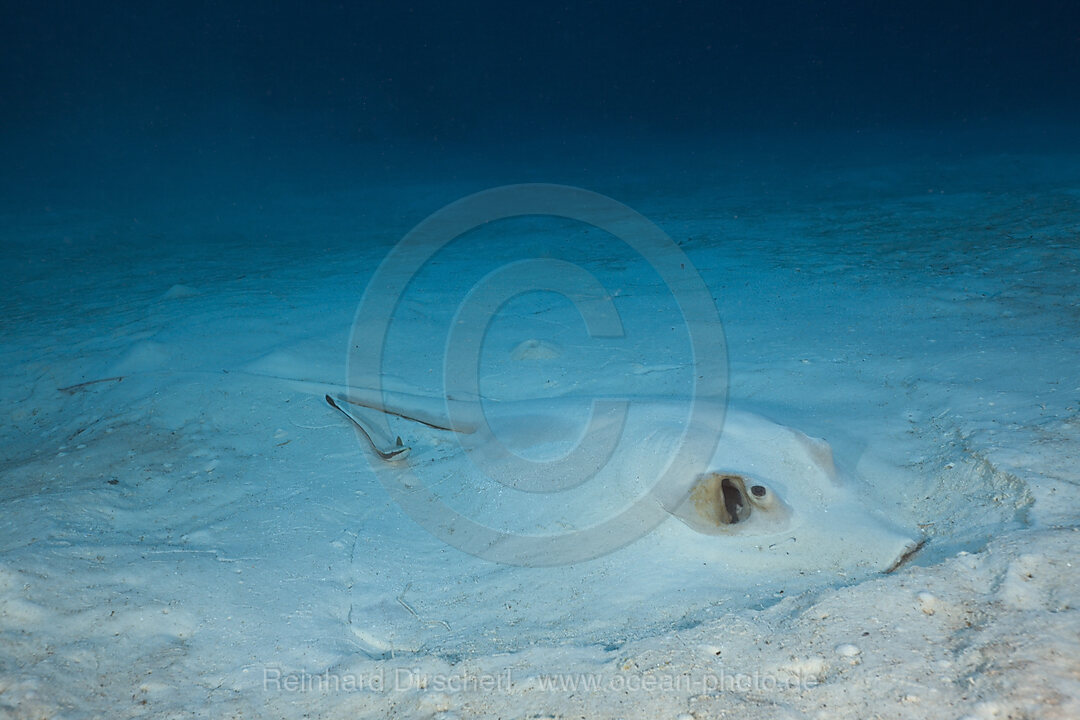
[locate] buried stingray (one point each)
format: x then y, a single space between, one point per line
767 516
764 479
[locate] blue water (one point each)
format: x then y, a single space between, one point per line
128 106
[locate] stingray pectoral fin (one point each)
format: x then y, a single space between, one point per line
914 547
397 453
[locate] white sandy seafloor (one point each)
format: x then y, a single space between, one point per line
199 539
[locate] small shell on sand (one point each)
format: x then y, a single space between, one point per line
534 349
847 650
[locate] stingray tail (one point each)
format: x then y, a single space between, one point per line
397 453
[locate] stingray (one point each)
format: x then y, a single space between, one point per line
763 478
766 515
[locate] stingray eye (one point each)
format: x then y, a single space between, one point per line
764 498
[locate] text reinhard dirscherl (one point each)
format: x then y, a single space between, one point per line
405 679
